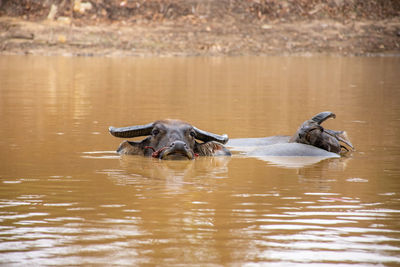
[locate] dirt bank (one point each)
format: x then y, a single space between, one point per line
196 28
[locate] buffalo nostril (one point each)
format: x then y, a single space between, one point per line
179 145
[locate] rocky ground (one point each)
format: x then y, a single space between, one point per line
199 27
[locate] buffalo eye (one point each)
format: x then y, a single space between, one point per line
155 132
192 133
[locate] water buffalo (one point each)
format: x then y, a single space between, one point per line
312 133
310 140
170 139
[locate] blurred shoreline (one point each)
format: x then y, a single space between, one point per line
195 28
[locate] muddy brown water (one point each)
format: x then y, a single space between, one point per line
67 199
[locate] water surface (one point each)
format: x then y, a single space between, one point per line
67 199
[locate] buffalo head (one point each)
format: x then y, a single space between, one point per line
170 139
312 133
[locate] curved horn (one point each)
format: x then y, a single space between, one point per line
323 116
131 131
206 136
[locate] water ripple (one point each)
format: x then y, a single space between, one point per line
329 256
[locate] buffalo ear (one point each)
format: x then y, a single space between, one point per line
211 149
133 148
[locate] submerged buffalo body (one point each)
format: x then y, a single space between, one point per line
310 140
170 139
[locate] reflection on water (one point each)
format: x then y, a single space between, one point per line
67 199
136 169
